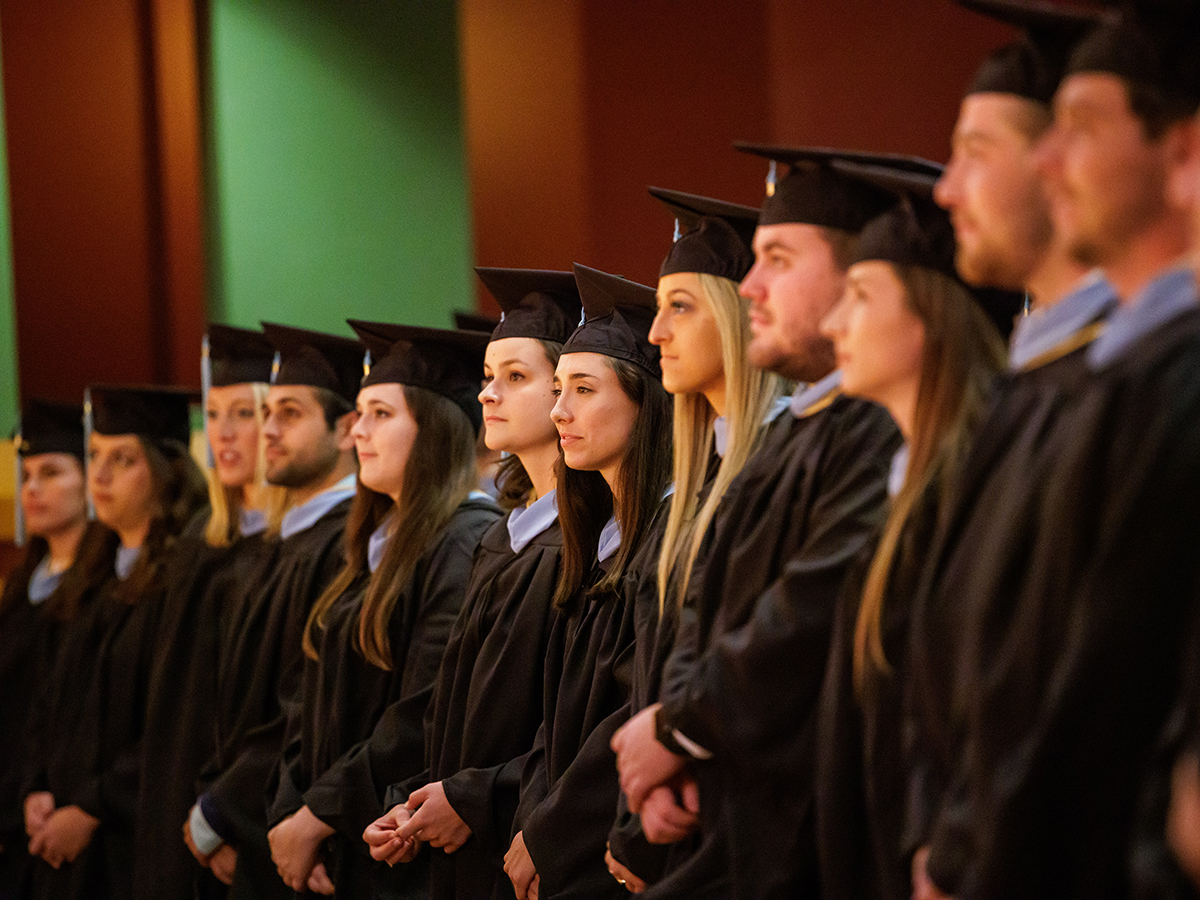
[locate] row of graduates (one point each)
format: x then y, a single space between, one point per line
925 626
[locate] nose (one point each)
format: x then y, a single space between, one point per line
751 287
946 189
833 323
1047 154
270 425
660 332
561 412
225 428
361 429
488 393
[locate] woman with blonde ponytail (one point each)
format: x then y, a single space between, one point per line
910 336
722 405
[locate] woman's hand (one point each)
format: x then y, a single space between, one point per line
433 820
642 761
519 867
383 838
632 883
923 886
319 881
223 863
664 820
66 832
38 807
295 844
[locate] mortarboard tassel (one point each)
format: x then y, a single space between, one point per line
771 179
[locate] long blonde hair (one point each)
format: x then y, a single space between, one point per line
225 502
963 354
749 394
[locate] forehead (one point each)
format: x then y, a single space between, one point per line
993 116
385 392
583 363
790 237
1098 94
231 393
679 281
298 394
34 460
525 350
115 441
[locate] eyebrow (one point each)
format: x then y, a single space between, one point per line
576 376
774 244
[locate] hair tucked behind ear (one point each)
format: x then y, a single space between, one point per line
962 356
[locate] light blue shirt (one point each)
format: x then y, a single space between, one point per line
377 543
610 540
126 558
252 521
307 514
808 394
721 427
898 471
43 582
527 522
1044 329
1165 298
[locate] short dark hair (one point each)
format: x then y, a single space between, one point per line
844 245
334 406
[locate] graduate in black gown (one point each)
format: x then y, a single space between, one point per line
910 336
612 416
739 699
1071 686
216 551
309 454
63 559
146 488
375 638
722 406
463 804
1006 239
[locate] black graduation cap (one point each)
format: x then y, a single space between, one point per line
813 193
157 413
316 359
237 356
50 427
1153 47
537 303
918 232
471 321
1032 66
441 360
711 236
617 318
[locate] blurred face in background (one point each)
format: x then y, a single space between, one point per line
53 495
121 483
231 425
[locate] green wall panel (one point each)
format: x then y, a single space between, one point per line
337 165
8 325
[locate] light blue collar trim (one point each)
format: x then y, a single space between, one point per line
43 582
480 495
610 540
808 394
307 514
377 543
898 470
1165 298
1044 329
127 557
252 521
527 522
721 426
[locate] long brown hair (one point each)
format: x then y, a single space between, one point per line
180 493
438 476
585 502
962 355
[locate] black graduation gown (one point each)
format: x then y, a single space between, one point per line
258 667
861 773
745 675
181 707
978 558
91 757
359 728
487 704
569 788
1074 691
27 644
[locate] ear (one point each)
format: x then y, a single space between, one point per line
1183 171
345 440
